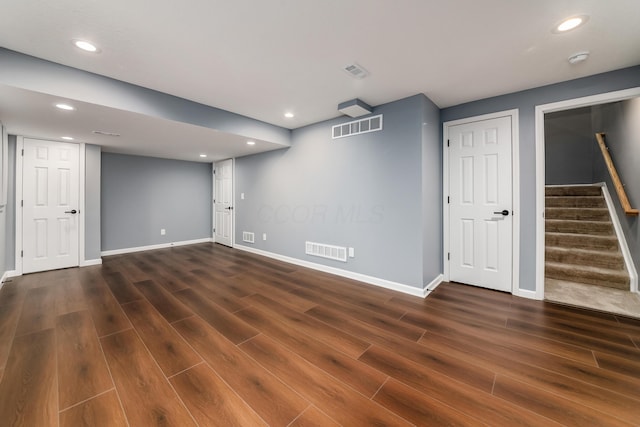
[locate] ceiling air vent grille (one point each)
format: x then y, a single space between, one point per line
337 253
370 124
248 237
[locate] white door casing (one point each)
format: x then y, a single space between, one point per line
480 203
224 202
50 214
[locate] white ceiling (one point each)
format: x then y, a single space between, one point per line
260 58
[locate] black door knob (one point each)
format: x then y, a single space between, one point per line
72 211
504 212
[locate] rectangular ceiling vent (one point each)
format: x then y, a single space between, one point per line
337 253
248 237
356 70
370 124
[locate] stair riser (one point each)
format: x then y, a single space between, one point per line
601 260
580 227
581 242
573 191
575 202
573 214
610 281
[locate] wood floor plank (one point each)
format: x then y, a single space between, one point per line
555 407
576 390
82 370
275 402
270 288
69 296
121 287
312 417
217 294
435 321
106 313
226 323
101 411
167 347
442 362
9 315
331 396
166 304
28 392
358 375
372 318
419 408
146 395
594 342
38 311
348 344
628 367
211 401
477 404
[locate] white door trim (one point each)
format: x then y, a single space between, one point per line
568 104
18 208
515 160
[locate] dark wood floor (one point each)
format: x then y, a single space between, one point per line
206 335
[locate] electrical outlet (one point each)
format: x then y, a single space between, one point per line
264 236
352 253
241 196
163 231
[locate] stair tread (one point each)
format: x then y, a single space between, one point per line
622 273
595 236
602 252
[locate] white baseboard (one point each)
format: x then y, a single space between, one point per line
6 275
622 240
433 285
90 262
383 283
525 293
152 247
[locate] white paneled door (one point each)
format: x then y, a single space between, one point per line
480 204
224 202
50 205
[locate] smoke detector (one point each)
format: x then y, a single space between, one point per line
356 70
578 57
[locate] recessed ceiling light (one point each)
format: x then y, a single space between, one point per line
570 23
68 138
251 143
203 155
289 115
86 46
66 107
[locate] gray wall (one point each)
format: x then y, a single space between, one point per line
363 192
432 235
92 203
621 123
141 195
570 147
526 102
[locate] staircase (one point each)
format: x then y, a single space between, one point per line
581 244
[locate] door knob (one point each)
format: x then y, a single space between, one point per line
72 211
504 212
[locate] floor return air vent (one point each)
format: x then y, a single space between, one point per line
337 253
248 237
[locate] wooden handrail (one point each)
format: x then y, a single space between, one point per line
622 195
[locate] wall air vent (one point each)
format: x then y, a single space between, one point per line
337 253
248 237
370 124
